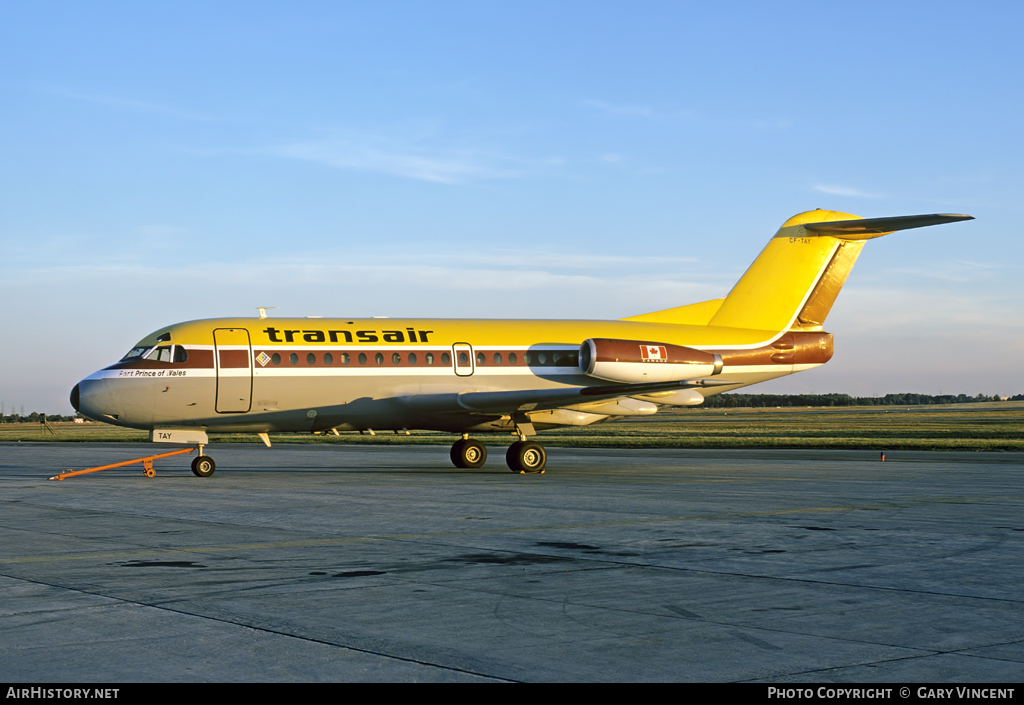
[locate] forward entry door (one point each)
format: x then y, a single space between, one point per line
232 357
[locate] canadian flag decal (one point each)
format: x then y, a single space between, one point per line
653 353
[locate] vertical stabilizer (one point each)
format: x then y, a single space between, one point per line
781 280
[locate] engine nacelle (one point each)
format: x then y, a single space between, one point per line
640 361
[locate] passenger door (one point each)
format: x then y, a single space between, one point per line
232 357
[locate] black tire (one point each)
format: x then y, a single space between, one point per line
468 454
526 457
203 466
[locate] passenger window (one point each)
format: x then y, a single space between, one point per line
379 358
528 358
293 358
345 358
481 358
446 359
362 358
497 358
429 358
512 358
412 358
311 359
328 359
276 358
396 359
463 358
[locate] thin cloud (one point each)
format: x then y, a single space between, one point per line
959 271
555 260
835 190
410 156
636 111
691 116
948 275
130 104
980 265
409 163
626 110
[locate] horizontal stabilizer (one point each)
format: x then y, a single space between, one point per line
868 228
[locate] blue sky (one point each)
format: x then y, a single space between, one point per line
173 161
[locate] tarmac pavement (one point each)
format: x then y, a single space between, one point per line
307 563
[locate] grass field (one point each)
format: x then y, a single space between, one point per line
994 426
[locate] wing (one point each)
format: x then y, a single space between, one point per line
525 400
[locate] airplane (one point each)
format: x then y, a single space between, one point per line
518 377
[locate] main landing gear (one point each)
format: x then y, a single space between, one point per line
467 453
526 456
522 457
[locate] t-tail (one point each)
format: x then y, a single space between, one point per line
795 280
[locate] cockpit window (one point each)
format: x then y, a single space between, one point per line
136 353
160 354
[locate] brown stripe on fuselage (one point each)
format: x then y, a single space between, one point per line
552 358
800 348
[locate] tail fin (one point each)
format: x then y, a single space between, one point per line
796 278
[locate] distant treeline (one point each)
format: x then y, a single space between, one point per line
729 401
34 417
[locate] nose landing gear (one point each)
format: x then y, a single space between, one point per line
203 466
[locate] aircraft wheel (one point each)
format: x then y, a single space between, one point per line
526 456
469 454
203 466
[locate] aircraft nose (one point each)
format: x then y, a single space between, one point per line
94 399
90 400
